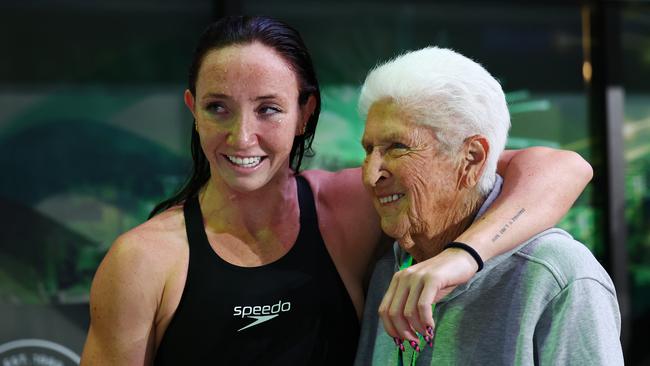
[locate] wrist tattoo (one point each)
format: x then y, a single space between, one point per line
507 226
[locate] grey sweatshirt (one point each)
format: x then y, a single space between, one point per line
547 302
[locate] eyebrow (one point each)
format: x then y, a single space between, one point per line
393 136
268 96
216 95
225 96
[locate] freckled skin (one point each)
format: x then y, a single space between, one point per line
404 157
246 104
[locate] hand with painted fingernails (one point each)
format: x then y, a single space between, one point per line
399 343
428 338
407 306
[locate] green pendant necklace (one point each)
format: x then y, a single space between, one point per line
402 357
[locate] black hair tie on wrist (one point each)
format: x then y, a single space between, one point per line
468 249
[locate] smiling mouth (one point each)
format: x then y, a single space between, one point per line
390 198
245 162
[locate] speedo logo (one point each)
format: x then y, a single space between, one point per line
261 313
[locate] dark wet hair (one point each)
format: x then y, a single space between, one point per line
286 41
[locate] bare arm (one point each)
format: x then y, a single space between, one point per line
349 225
540 185
122 309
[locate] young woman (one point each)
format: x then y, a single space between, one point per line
253 262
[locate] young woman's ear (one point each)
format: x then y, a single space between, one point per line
475 153
306 111
189 102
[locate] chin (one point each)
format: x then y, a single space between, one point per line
244 184
394 229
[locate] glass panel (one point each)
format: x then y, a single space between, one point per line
635 23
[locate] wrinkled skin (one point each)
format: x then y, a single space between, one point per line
405 159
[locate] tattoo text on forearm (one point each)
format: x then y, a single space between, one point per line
505 227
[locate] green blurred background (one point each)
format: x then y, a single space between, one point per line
93 130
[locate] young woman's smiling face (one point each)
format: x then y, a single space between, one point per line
247 114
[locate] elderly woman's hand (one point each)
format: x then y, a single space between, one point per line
407 305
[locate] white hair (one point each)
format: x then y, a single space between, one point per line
447 91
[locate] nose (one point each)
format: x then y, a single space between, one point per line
374 170
242 133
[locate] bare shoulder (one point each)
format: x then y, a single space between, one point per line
129 287
140 261
341 194
352 176
162 235
149 248
345 211
343 187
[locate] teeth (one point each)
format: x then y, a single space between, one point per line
391 198
247 162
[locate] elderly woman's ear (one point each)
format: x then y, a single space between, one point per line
474 155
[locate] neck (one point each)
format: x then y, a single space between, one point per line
239 213
446 226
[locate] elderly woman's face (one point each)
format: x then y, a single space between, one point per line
409 178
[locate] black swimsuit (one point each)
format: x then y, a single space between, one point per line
294 311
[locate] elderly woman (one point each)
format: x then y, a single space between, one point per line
436 124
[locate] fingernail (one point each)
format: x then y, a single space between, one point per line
415 346
398 343
430 337
427 338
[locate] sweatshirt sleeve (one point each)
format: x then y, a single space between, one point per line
581 325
